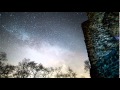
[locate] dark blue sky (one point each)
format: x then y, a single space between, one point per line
52 38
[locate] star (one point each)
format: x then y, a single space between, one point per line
50 38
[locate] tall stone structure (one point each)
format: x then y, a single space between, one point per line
101 32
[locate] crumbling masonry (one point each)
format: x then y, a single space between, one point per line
101 32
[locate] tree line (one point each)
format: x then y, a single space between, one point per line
30 69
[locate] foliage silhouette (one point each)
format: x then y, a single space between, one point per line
87 65
31 69
3 56
5 69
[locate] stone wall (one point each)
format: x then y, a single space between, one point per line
101 32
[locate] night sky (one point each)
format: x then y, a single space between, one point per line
50 38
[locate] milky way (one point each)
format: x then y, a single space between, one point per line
50 38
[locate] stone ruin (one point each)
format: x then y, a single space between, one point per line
101 32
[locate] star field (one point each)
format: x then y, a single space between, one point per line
51 38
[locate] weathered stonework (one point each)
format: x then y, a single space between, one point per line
101 32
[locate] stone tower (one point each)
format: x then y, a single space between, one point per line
101 32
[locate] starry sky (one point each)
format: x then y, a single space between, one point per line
50 38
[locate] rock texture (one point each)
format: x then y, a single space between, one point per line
101 32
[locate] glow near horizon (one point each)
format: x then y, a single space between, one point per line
50 49
50 56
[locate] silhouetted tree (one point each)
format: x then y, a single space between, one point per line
87 65
1 69
71 73
5 69
3 56
28 68
21 70
31 69
47 72
34 68
68 74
